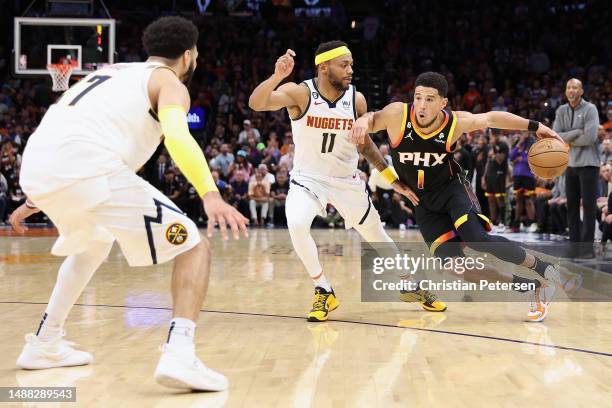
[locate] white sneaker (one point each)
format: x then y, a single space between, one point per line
186 371
38 354
540 302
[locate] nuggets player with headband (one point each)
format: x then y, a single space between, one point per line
322 112
80 167
423 135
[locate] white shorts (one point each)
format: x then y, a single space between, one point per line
149 228
349 195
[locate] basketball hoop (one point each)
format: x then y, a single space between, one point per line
60 74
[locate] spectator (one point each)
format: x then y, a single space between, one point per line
3 198
259 197
287 159
240 191
161 166
224 160
608 124
479 159
248 130
171 187
524 183
287 142
278 197
267 176
558 207
241 164
471 99
606 151
494 181
576 122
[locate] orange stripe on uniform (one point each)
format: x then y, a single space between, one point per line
442 239
419 132
402 129
451 133
420 179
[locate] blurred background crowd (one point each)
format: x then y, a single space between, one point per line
505 56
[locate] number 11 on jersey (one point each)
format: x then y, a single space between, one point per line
332 138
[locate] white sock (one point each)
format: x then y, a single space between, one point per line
49 328
322 282
181 334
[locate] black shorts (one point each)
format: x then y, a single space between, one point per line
496 185
441 212
525 185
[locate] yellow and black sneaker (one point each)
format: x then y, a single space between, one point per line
323 303
428 300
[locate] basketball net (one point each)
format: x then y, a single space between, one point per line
60 74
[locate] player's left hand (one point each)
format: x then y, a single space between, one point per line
546 132
404 190
19 215
221 213
359 130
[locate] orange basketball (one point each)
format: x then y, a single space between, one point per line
548 158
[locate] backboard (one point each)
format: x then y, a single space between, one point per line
90 42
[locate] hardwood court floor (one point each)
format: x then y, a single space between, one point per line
252 328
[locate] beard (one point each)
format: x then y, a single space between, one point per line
188 76
337 83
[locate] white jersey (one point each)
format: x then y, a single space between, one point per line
320 136
102 123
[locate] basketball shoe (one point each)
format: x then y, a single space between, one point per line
427 299
57 352
183 369
323 303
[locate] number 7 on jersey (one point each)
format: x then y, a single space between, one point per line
95 81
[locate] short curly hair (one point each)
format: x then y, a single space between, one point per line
169 37
433 80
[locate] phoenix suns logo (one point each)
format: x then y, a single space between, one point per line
176 234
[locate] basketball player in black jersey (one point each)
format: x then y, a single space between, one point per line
423 136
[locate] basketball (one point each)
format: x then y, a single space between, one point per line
548 158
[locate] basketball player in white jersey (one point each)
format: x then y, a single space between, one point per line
322 111
79 167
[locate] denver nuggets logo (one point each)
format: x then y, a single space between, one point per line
176 234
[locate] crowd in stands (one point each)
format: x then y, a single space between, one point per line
511 57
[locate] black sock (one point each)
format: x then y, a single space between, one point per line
520 279
540 266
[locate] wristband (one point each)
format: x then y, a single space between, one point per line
533 125
389 175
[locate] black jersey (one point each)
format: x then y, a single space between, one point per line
425 161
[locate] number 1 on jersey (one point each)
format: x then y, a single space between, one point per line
332 137
95 80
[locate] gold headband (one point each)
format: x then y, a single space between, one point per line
331 54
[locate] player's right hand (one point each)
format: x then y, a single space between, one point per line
284 64
223 214
546 132
404 190
20 214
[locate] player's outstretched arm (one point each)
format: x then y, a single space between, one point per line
389 119
267 98
173 104
373 155
468 122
